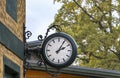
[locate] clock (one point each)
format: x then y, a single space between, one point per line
59 50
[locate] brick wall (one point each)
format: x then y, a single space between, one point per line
12 57
17 29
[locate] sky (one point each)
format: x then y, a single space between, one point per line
39 15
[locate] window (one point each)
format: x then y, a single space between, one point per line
11 70
10 73
11 8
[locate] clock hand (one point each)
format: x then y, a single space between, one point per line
60 47
64 47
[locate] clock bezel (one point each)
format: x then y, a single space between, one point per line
73 45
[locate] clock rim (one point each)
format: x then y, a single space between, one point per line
73 45
64 39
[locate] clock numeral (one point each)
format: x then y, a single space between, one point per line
58 61
69 50
49 55
49 44
67 55
53 41
58 39
68 45
53 59
47 50
63 59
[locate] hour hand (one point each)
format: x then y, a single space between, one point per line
60 49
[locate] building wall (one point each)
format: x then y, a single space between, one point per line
11 24
42 74
11 36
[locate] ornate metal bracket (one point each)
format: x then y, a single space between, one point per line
33 49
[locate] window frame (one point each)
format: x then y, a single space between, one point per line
11 66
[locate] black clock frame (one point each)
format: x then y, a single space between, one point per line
38 50
74 50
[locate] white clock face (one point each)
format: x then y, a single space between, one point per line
58 50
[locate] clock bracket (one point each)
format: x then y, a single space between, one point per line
33 49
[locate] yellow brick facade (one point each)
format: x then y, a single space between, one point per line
12 57
17 29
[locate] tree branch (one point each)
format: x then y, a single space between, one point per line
96 5
116 53
94 20
98 57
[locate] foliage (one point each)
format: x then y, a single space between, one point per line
95 25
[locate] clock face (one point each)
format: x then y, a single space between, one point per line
58 50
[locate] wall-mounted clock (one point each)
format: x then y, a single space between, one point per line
59 50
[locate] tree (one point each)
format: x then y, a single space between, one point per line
95 25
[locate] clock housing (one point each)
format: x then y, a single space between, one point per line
59 50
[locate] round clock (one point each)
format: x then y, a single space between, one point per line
59 50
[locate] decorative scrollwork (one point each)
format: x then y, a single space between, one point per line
33 54
40 38
55 27
58 29
28 34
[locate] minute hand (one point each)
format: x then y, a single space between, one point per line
60 47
